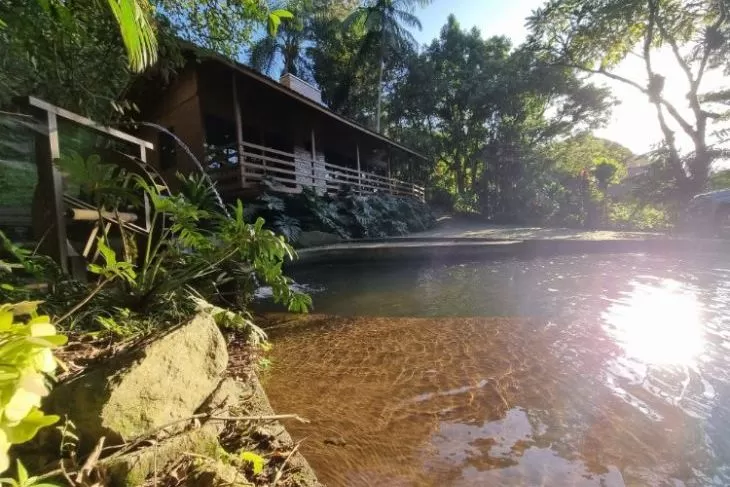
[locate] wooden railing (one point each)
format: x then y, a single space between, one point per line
288 172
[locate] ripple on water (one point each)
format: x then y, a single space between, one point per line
473 401
621 376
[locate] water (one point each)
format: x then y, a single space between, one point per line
580 370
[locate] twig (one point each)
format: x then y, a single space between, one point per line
83 302
140 439
280 472
274 417
93 458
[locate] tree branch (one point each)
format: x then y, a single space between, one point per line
686 126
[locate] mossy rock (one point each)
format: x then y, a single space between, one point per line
164 379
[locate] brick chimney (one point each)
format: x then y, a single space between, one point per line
301 87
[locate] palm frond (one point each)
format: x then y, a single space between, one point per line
408 19
137 32
263 53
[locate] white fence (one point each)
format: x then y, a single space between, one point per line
251 164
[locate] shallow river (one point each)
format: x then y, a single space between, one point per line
580 370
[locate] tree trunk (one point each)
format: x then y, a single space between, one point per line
380 96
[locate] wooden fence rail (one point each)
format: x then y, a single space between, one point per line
251 164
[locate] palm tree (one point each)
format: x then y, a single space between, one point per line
285 45
386 24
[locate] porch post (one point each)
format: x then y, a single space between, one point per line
239 129
314 160
359 172
390 178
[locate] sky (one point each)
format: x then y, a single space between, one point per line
633 124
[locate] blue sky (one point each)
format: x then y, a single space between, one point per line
492 17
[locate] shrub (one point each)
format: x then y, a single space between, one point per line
632 216
345 214
26 357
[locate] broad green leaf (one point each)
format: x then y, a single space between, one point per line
26 308
28 428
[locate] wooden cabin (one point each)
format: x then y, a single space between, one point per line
245 128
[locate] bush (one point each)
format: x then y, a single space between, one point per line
26 357
632 216
345 214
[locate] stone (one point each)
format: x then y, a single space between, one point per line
316 238
134 468
164 379
217 474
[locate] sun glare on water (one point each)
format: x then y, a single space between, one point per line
658 324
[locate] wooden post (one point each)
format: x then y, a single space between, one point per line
239 129
48 217
314 161
390 178
147 205
359 172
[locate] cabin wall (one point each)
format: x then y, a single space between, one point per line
177 109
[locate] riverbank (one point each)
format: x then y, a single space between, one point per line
459 239
162 421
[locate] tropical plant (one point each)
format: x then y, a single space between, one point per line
138 35
190 248
26 343
344 214
385 24
287 44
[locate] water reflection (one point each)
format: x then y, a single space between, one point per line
658 323
616 373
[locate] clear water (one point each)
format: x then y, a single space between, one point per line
577 370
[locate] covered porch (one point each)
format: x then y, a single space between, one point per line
259 133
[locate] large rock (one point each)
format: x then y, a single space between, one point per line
163 380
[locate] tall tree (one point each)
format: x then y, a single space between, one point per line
347 78
484 110
287 45
594 36
385 23
291 45
225 27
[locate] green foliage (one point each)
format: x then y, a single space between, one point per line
138 35
287 44
486 111
112 268
223 27
384 24
595 36
634 216
24 480
720 180
200 191
26 355
253 460
204 251
345 214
